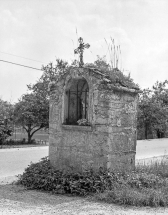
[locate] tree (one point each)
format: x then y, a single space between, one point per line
6 120
145 112
153 110
31 112
50 73
160 98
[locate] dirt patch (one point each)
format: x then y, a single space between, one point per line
17 200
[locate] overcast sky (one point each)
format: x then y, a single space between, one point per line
46 29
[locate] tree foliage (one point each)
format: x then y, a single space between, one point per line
153 109
51 72
31 112
6 120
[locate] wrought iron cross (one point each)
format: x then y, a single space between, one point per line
80 50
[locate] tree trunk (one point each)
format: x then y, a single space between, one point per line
160 134
29 137
146 131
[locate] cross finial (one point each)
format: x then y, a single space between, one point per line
80 50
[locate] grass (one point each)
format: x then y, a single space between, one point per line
38 136
146 186
157 167
19 139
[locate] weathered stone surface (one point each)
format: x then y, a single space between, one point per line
110 139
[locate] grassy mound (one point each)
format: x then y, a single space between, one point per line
143 187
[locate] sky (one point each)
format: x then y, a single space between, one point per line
36 32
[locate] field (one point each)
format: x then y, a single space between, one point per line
39 135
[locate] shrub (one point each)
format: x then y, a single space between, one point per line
11 142
43 176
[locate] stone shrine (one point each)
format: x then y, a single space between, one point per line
92 122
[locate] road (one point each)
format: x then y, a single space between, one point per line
151 148
14 161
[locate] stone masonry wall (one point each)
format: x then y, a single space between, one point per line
117 111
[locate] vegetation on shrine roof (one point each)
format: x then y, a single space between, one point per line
116 77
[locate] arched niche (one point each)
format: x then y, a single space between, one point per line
76 101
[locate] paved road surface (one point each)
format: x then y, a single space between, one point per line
14 161
151 148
